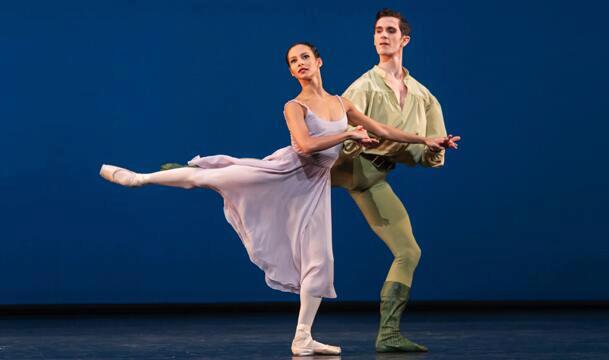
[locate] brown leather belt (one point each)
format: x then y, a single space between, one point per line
380 162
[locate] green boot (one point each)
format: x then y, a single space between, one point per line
169 166
394 296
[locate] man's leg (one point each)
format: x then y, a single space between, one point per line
389 220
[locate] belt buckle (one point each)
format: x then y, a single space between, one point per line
380 163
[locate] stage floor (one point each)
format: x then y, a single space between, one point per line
449 335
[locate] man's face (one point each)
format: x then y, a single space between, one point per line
388 38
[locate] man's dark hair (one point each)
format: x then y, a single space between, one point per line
404 25
309 45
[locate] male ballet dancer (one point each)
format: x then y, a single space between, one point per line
388 94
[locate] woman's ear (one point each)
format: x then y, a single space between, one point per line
320 62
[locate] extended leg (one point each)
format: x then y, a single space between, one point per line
388 218
186 178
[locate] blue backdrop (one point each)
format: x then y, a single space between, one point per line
518 212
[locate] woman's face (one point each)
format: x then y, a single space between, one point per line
302 61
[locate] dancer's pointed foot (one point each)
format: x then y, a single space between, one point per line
121 176
304 345
395 342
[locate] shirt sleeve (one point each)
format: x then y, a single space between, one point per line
435 127
358 96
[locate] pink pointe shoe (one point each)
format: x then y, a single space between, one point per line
304 345
121 176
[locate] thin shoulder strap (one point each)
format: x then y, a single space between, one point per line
300 103
340 100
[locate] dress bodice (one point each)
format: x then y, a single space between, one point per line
322 127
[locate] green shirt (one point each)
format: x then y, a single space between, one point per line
421 114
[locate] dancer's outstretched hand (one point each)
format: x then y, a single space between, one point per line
436 143
451 142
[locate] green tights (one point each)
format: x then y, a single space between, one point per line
383 211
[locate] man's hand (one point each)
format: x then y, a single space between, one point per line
436 144
451 142
369 143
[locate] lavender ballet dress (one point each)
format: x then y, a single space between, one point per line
280 208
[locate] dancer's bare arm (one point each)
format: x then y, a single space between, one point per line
295 114
359 119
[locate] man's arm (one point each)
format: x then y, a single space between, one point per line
435 127
357 118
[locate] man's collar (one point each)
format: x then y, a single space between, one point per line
383 73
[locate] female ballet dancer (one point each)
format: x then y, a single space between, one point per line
280 205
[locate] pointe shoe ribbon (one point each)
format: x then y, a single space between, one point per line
120 176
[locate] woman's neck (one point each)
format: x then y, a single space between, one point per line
313 88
